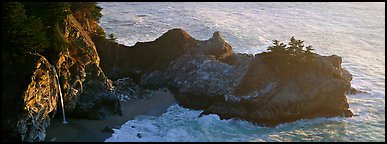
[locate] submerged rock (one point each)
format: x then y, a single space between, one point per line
208 75
108 129
353 91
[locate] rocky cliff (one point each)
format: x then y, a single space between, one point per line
29 99
30 91
209 76
87 92
144 57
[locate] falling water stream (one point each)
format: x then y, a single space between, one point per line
60 94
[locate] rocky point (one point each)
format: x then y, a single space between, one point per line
208 75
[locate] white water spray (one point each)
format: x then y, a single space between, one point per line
60 94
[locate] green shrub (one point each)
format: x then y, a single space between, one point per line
278 48
112 38
100 32
288 55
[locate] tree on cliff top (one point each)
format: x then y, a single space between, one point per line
295 51
22 33
277 47
50 12
38 27
295 47
89 10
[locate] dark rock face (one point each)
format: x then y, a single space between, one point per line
126 88
122 61
208 75
98 99
308 93
29 100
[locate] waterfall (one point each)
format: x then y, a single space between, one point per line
60 94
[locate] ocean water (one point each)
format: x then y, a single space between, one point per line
354 31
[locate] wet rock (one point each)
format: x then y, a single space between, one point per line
126 88
98 100
108 129
353 91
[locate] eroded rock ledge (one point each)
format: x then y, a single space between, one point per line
209 76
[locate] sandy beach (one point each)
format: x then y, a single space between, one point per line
82 130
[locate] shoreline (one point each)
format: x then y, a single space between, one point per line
82 130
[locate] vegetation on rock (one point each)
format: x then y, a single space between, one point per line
89 9
37 27
112 38
293 57
22 33
295 51
36 38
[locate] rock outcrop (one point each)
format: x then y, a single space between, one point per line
121 61
208 75
87 92
30 90
29 99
